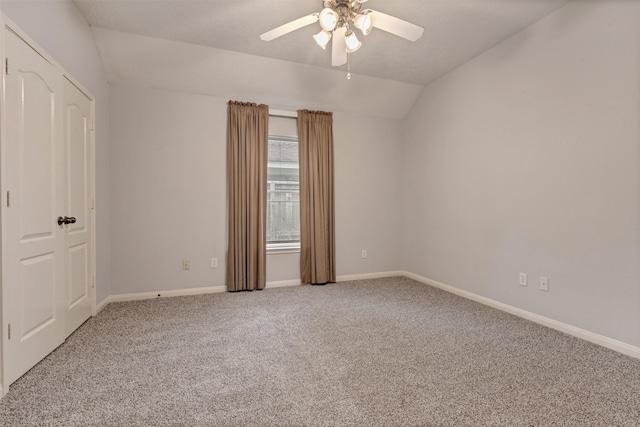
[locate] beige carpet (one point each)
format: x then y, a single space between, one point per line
373 352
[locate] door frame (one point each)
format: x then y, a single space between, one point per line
7 23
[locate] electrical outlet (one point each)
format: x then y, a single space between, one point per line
214 262
364 254
186 264
523 279
544 284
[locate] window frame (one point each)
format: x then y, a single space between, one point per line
291 246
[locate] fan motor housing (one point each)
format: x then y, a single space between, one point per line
346 10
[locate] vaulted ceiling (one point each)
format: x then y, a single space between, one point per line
134 35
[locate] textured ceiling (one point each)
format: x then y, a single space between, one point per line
137 60
455 30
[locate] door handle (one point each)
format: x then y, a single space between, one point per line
66 220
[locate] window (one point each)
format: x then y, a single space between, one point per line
283 193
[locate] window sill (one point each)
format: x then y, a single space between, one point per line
282 249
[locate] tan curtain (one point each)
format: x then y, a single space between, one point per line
247 177
317 217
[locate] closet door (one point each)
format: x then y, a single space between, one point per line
78 269
33 241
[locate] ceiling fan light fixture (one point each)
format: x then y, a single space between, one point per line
363 22
352 41
341 17
328 19
322 38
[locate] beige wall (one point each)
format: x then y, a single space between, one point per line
168 180
527 159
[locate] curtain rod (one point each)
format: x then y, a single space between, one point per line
285 114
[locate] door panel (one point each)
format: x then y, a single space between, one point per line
38 285
34 162
37 148
78 145
78 286
78 293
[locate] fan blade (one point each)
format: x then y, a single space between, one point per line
339 47
289 27
396 26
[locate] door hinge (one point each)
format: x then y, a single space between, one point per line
93 203
92 124
9 331
6 66
8 198
93 281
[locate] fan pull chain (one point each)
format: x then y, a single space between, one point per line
348 66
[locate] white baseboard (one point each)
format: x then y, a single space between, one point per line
218 289
345 278
159 294
283 283
102 304
369 275
180 292
610 343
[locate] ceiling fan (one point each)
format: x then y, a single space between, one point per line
336 19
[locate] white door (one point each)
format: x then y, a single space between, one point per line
77 138
33 242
